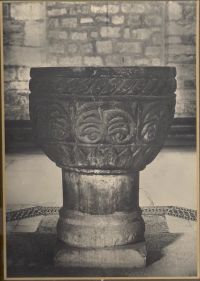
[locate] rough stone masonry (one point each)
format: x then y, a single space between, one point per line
98 33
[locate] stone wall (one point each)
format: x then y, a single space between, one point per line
94 33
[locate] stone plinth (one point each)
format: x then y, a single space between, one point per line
126 256
101 126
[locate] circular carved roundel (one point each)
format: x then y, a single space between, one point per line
110 125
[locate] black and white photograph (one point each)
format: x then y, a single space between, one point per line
101 152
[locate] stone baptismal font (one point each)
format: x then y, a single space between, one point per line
101 126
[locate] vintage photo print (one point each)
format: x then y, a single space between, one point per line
100 110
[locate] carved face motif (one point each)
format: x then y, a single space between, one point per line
110 125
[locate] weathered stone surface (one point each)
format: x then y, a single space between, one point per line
112 60
48 224
16 85
86 121
98 193
176 28
103 9
153 51
189 11
174 10
99 231
182 70
34 34
16 112
86 20
62 35
90 61
104 47
156 61
94 34
22 11
81 36
56 12
15 39
181 59
87 48
128 47
23 73
189 84
118 144
132 7
134 20
9 73
141 33
128 256
52 34
76 8
110 32
117 20
70 61
180 49
17 97
69 22
72 48
189 39
187 107
53 22
113 9
27 56
174 39
129 60
156 38
13 26
104 19
152 20
6 10
99 9
127 33
57 48
155 221
100 210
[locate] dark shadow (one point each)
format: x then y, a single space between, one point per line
31 255
156 242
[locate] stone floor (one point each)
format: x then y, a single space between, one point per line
171 247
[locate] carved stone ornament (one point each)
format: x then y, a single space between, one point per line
101 125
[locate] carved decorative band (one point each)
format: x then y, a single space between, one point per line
106 157
64 97
108 135
93 171
102 86
103 72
